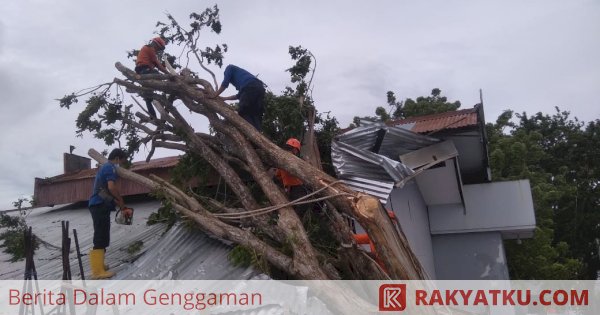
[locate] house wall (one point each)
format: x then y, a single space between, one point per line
472 153
63 192
411 211
81 189
454 242
433 192
470 256
499 206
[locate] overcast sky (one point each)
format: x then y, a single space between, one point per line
525 55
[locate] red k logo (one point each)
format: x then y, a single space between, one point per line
392 297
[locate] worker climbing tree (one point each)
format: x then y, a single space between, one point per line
236 150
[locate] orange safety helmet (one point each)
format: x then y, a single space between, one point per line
294 143
159 42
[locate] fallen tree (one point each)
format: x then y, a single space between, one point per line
266 221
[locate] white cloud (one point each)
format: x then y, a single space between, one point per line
526 56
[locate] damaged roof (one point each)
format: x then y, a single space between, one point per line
177 253
366 158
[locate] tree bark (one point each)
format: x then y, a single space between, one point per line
310 149
288 221
190 208
392 248
381 227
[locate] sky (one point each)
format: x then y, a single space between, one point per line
527 56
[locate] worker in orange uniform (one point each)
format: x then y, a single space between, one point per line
293 185
147 62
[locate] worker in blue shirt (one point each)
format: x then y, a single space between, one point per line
105 196
251 93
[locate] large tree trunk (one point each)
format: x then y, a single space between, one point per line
310 149
392 247
190 208
340 299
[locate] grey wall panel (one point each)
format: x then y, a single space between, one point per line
498 206
470 256
411 211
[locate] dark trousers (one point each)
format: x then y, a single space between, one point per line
147 70
101 218
252 103
295 192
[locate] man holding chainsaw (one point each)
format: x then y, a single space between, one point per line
104 198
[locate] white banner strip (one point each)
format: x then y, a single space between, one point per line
299 297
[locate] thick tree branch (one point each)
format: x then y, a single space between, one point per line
240 189
171 145
288 219
212 225
393 248
139 126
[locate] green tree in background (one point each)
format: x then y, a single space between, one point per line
561 158
434 104
422 105
284 118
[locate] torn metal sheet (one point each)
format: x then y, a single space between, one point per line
361 137
350 161
432 154
378 189
399 141
366 158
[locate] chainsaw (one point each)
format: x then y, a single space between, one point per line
124 216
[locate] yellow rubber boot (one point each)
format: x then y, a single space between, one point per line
97 265
106 266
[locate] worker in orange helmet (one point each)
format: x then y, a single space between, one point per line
293 185
148 62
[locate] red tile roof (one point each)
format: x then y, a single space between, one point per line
159 163
435 122
165 162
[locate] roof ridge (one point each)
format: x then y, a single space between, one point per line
156 163
432 116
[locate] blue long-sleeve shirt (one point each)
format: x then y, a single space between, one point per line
237 76
106 173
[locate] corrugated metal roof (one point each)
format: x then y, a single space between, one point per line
180 253
74 176
362 138
395 140
378 189
370 172
159 163
350 161
435 122
398 141
186 253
